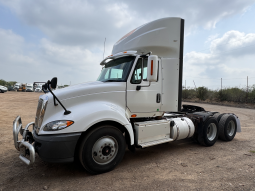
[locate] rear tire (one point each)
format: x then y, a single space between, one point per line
102 149
209 133
218 116
227 127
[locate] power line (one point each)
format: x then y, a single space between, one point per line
215 78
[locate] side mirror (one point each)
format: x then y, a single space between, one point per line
45 86
53 83
152 68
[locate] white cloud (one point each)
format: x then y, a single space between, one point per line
231 57
211 37
68 63
87 23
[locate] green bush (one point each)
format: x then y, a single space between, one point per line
5 83
188 93
202 93
239 95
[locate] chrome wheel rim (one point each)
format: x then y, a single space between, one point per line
211 131
231 128
105 150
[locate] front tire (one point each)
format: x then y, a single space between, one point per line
102 149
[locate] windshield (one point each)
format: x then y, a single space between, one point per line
29 86
116 70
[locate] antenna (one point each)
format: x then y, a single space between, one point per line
104 46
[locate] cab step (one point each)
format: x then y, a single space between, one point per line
156 142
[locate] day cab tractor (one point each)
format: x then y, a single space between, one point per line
136 102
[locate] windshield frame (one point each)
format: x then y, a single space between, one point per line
128 70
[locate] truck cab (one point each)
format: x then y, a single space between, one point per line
29 87
17 86
135 102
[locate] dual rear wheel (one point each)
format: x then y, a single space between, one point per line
223 126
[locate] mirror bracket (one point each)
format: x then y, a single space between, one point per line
139 87
55 97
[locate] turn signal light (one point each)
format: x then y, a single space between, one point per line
125 52
134 115
151 67
68 123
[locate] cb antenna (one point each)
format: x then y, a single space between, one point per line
104 46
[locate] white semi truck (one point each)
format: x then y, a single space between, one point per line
17 86
135 102
29 87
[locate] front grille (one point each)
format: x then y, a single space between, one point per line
42 104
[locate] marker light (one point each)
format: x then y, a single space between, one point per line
151 67
57 125
134 115
125 52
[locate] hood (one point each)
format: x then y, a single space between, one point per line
86 89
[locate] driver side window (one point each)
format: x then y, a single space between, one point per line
137 75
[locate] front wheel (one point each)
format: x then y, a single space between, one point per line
102 149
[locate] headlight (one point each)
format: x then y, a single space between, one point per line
57 125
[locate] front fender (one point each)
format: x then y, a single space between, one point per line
87 114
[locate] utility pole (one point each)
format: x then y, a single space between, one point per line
247 90
185 89
195 85
221 84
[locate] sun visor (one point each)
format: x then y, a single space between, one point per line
118 55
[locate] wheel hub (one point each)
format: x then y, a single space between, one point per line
231 128
211 131
105 150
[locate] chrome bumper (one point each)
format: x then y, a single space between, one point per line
23 146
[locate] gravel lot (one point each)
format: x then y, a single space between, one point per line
181 165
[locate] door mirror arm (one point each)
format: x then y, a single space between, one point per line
139 87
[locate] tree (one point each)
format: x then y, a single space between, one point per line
202 93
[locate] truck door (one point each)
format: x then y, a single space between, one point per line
147 99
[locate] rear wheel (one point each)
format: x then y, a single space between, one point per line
227 127
102 149
218 116
208 134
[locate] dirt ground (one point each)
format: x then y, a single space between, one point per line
181 165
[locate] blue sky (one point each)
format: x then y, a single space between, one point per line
41 39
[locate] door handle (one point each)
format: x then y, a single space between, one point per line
158 98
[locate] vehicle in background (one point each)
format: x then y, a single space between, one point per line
11 88
38 88
22 88
29 87
16 86
3 89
